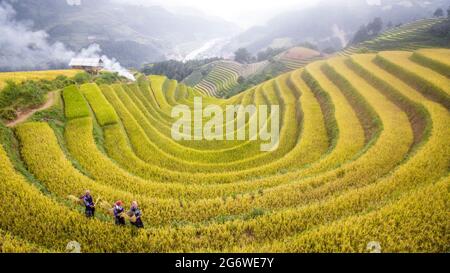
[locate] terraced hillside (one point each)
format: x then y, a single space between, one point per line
34 75
224 75
297 57
364 156
221 76
410 36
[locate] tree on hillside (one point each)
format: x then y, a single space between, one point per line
361 35
265 54
175 69
368 31
375 27
442 29
438 13
268 53
242 56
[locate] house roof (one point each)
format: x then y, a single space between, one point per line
86 62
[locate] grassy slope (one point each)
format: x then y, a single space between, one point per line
34 75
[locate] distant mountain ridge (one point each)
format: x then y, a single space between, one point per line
132 34
330 23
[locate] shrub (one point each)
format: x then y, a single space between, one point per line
82 77
26 94
107 78
8 114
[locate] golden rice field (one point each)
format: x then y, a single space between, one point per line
34 75
364 156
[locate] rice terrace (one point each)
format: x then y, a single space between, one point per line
308 150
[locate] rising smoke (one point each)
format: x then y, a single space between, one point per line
21 48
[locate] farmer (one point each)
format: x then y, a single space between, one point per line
135 215
118 210
89 204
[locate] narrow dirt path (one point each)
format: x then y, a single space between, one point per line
23 116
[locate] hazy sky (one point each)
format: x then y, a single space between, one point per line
245 13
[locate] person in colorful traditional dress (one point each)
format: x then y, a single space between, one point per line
89 204
118 213
135 215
